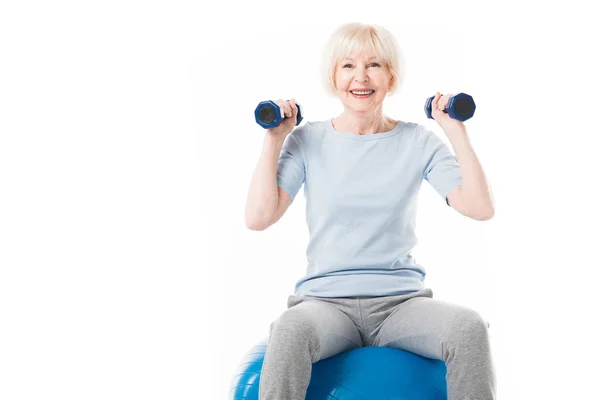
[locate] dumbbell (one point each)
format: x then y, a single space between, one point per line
460 106
268 114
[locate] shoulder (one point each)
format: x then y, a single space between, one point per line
315 126
414 128
423 136
418 137
303 129
413 133
307 131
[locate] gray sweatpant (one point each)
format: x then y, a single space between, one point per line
315 328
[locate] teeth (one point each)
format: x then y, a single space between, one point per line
360 92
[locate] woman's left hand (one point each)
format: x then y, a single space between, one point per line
438 105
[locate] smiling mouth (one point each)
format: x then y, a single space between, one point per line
363 93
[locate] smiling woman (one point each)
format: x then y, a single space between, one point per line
362 65
358 39
362 172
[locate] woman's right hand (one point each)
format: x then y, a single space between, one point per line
290 111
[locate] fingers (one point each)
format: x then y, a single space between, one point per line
284 106
294 108
440 101
434 102
288 107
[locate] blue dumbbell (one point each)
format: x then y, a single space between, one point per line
268 114
460 106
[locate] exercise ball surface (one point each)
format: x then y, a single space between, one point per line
366 373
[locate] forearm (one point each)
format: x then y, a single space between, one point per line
476 192
263 195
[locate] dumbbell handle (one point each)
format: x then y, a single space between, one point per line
460 106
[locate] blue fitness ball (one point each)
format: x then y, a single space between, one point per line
366 373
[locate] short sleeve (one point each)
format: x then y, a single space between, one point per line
441 167
291 170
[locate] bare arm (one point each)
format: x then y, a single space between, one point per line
266 202
474 198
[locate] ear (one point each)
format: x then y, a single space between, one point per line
392 84
333 81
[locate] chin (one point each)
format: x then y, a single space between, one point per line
361 107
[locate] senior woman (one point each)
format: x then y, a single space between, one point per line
362 171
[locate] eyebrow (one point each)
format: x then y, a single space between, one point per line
352 59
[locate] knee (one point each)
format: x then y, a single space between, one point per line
468 328
293 331
294 325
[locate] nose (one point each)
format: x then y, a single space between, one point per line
361 75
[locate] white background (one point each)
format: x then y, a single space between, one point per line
127 142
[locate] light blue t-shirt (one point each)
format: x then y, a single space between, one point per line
361 202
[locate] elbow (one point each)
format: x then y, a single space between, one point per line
255 224
485 214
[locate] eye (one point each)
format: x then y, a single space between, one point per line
374 65
347 66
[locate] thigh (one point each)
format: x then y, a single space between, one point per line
425 326
334 330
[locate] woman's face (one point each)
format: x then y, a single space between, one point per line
366 74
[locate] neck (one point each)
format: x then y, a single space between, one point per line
363 123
